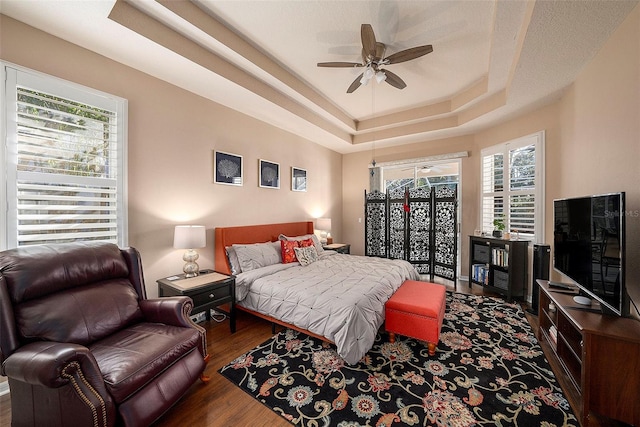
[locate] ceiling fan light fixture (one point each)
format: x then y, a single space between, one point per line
367 75
381 76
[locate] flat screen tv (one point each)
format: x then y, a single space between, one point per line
589 248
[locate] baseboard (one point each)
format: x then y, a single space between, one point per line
4 388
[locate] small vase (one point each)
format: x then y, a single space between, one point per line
497 234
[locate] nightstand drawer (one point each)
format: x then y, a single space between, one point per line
211 295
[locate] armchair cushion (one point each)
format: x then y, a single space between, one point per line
130 357
36 271
79 315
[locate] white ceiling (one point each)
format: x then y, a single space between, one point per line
491 60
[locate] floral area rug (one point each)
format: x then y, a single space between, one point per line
488 370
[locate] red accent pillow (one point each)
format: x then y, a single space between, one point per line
288 252
305 243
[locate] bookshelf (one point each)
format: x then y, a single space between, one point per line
499 265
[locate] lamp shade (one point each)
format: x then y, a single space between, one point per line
323 224
189 237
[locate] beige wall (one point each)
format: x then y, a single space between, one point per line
592 146
600 134
172 135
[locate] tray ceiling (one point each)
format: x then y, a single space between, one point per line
491 60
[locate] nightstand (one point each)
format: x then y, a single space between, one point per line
342 248
208 290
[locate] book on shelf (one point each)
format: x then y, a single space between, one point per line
500 257
480 273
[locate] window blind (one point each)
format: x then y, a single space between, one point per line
66 183
65 161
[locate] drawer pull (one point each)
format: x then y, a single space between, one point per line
211 295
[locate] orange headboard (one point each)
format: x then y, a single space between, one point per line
227 236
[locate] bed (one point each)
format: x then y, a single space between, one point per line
338 298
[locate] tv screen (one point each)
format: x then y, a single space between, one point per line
589 247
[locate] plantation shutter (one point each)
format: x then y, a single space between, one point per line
492 189
522 197
512 177
66 162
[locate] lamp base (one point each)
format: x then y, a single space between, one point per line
191 267
323 237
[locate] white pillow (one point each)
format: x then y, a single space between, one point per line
306 255
234 263
258 255
316 241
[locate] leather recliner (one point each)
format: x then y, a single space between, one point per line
82 345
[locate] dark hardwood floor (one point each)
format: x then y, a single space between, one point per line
220 403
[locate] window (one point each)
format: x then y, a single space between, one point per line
428 174
64 156
513 186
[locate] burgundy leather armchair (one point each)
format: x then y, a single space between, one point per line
82 345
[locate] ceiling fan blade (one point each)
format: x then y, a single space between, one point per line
356 84
340 64
394 80
409 54
368 40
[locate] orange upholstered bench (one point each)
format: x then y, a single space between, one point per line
416 310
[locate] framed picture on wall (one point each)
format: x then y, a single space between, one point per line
227 168
298 179
269 174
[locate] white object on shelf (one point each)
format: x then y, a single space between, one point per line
582 300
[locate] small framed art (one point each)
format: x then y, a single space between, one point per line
227 168
269 174
298 179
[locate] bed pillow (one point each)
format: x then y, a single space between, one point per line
306 254
313 237
288 251
306 244
258 255
234 263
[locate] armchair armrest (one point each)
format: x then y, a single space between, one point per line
173 311
66 374
50 364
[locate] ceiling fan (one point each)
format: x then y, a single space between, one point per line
424 168
373 60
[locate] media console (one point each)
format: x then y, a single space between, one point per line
600 354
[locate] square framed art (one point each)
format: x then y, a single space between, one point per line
227 168
298 179
269 174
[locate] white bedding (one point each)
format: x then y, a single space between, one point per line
340 297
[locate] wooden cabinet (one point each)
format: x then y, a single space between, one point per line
599 353
499 265
208 290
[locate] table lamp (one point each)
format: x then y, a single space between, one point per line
190 237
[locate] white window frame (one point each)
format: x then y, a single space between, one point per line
537 139
11 74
